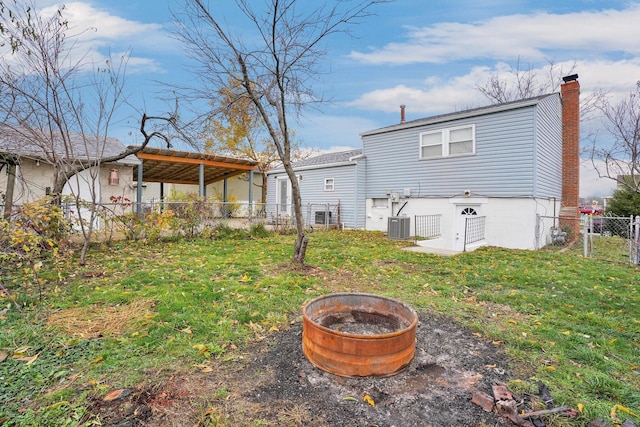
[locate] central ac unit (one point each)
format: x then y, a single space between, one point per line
321 217
399 227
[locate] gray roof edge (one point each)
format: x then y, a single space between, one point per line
319 166
480 111
334 159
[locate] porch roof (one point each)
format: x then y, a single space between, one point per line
183 167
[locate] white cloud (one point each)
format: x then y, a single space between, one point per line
532 36
96 32
438 96
434 96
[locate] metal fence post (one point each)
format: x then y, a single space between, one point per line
636 238
585 236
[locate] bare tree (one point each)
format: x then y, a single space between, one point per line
276 66
53 97
615 151
521 82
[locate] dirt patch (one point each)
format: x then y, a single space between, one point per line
274 383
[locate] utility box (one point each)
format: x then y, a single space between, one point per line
399 227
321 217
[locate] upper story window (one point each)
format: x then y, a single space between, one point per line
328 184
448 142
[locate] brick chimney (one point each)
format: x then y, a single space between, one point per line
570 94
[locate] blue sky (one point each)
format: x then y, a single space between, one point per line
428 55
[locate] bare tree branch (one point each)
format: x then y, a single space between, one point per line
276 65
615 152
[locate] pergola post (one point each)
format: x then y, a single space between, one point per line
250 194
203 191
139 190
225 189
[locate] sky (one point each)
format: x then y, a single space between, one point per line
428 55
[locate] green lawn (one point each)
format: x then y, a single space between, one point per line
571 322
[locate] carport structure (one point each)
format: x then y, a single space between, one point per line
185 167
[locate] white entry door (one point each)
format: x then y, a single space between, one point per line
462 213
284 196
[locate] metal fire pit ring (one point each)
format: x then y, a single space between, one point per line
356 354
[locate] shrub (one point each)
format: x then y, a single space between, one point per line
31 236
259 231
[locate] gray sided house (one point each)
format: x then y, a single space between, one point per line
326 182
494 168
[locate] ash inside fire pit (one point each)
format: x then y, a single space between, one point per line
358 322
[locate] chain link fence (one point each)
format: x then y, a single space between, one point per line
608 238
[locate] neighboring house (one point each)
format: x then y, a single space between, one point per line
495 168
327 181
507 163
34 171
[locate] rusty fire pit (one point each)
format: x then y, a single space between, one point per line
357 335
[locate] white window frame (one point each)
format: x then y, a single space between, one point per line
445 141
329 184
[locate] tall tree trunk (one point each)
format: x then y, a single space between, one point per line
263 187
11 182
300 247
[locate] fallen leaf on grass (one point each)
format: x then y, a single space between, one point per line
580 407
203 349
3 356
623 409
20 352
57 405
97 359
28 359
369 400
349 399
116 394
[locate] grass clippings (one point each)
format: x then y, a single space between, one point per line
99 320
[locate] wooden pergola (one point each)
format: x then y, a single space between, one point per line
185 167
